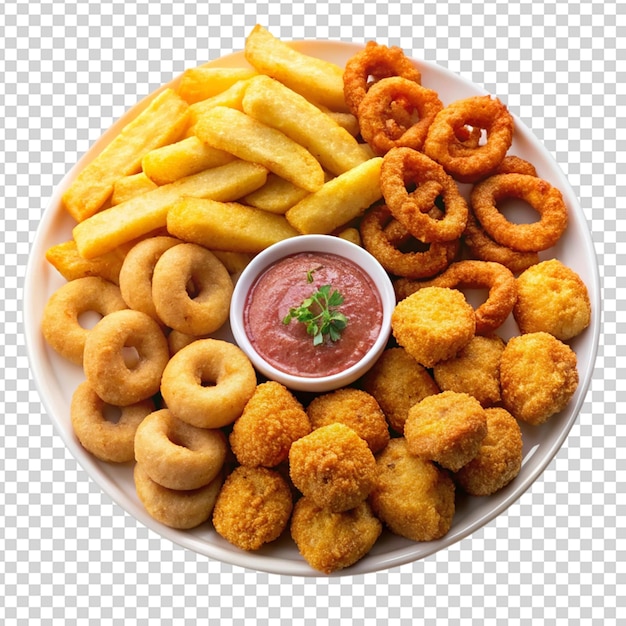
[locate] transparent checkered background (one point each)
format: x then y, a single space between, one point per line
72 556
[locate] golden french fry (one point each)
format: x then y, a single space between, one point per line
131 186
340 200
200 83
351 234
276 196
183 158
317 80
163 121
226 225
234 262
250 140
108 229
275 105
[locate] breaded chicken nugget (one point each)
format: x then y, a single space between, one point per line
433 324
355 408
474 370
398 381
499 457
333 466
271 421
538 376
332 541
447 428
552 298
412 496
253 507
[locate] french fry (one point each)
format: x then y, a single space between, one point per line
183 158
317 80
274 104
276 196
234 262
340 200
351 234
235 132
163 121
113 227
226 225
200 83
130 186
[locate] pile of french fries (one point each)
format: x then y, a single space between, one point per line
233 159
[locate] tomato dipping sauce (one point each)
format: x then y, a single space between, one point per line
285 285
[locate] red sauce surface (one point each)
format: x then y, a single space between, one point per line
288 347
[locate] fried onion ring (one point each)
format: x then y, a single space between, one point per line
397 112
412 264
371 64
468 163
471 274
404 166
538 193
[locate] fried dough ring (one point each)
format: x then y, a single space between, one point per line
206 309
404 166
60 323
538 193
104 364
109 441
177 455
418 264
467 164
500 281
375 62
388 110
208 383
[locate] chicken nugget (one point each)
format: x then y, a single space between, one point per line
447 428
433 324
333 466
271 421
499 457
474 370
538 376
412 496
253 507
355 408
398 381
552 297
331 541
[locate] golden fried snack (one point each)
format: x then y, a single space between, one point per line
398 381
412 496
433 324
253 507
355 408
332 541
108 440
447 428
115 380
177 455
333 466
499 457
271 421
552 298
60 322
173 507
538 376
474 370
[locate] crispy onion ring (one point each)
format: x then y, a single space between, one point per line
104 361
385 247
500 281
397 112
468 163
538 193
375 61
404 166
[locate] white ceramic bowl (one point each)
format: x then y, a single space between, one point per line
56 379
312 243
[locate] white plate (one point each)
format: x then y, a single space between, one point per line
56 379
